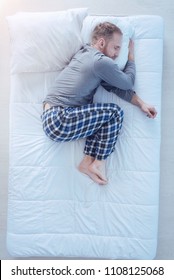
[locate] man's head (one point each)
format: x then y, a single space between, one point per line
107 38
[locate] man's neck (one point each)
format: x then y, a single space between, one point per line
95 46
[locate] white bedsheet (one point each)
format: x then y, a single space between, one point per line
53 210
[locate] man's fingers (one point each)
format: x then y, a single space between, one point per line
152 113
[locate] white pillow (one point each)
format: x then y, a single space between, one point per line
42 42
90 22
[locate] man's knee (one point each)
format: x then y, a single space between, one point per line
119 112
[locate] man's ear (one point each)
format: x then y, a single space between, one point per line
101 43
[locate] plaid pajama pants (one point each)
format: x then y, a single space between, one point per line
99 123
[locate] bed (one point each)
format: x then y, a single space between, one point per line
54 210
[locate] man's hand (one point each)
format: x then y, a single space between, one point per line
149 110
131 50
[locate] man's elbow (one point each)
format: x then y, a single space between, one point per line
129 83
127 86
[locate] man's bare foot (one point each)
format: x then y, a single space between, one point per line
98 167
95 169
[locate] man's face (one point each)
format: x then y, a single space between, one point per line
113 46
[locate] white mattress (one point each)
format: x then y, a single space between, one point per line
54 210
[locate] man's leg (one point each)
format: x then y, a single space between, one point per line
100 123
101 144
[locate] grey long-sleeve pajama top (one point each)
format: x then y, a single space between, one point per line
78 81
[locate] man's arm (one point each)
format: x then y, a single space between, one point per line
149 110
131 50
124 94
108 71
132 97
112 76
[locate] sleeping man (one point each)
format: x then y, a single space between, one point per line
69 112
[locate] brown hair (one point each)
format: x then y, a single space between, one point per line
104 30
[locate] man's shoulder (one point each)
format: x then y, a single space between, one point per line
92 51
102 60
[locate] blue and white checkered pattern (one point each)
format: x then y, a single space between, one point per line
99 123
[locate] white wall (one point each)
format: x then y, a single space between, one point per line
116 7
